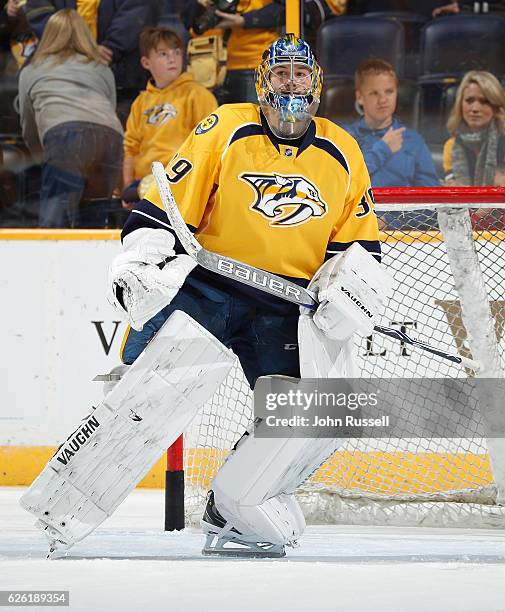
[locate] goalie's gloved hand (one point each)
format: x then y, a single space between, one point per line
147 275
351 288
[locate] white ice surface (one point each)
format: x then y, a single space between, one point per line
130 564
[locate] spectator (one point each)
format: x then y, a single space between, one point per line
67 99
477 127
163 116
446 9
115 26
253 26
396 156
496 6
475 153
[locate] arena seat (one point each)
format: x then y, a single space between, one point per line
451 46
345 42
338 100
342 44
412 24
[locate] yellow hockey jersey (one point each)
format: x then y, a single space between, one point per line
265 202
161 119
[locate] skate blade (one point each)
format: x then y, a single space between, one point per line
243 554
235 547
58 548
107 378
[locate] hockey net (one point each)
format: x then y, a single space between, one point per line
445 248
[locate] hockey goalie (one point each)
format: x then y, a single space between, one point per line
274 187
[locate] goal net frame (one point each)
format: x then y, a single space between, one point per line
381 484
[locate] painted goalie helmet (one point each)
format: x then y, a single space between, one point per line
288 84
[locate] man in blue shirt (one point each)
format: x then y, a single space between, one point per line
395 155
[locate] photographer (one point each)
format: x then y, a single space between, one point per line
252 26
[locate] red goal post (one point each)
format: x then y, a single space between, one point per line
439 195
487 225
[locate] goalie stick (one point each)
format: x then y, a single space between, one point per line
263 280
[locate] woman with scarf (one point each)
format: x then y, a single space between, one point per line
475 153
476 123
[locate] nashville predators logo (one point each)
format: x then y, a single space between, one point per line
160 114
286 200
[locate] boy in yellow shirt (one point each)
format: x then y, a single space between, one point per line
162 116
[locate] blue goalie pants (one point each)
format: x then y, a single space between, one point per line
265 343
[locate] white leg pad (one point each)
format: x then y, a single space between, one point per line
321 357
252 490
116 445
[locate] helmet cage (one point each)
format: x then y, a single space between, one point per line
289 110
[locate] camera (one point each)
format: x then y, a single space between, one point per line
209 19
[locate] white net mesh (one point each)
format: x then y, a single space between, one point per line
390 481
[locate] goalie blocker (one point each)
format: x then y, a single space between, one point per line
351 289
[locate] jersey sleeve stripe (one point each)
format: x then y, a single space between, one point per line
372 246
146 214
139 212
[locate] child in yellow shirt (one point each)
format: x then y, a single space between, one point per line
162 116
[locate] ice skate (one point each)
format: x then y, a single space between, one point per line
58 546
224 540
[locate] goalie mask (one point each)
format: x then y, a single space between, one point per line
288 84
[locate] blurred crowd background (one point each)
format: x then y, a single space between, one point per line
92 91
